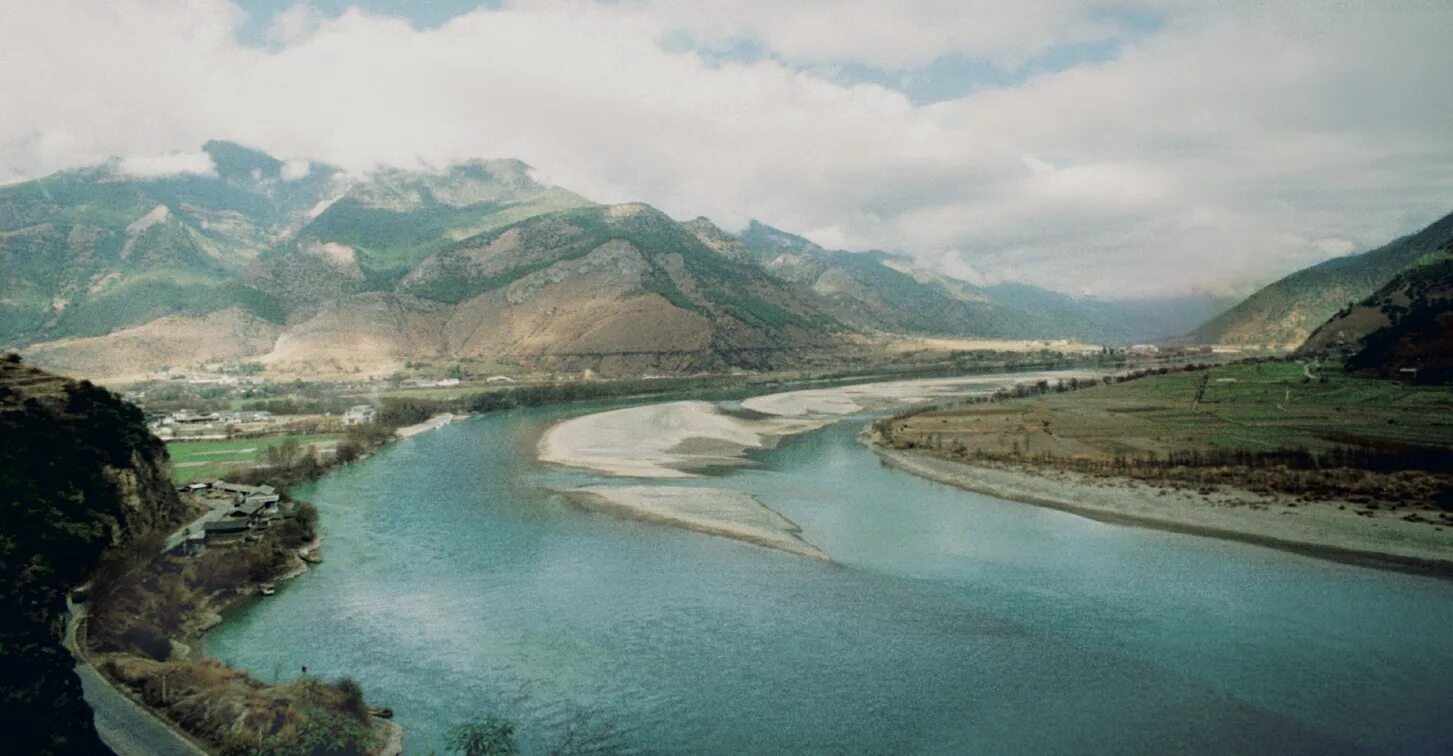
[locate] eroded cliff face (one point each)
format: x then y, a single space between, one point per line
79 473
144 490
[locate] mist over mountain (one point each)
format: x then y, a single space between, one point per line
883 290
1287 311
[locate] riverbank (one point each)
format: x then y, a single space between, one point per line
157 660
1328 532
152 602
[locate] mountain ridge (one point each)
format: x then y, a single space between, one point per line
1286 312
477 261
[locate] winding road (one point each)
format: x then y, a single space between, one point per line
124 725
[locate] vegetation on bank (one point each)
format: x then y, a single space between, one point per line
236 714
148 607
1267 427
141 598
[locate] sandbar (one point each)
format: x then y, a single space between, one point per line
713 511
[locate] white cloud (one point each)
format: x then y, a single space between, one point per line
1223 149
173 164
294 25
295 169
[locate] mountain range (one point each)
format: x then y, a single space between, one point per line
308 270
1286 312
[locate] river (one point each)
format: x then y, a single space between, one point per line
457 583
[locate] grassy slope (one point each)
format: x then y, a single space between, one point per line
392 240
75 265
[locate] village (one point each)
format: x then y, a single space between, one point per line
237 513
186 424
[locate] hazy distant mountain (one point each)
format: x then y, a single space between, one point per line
1109 321
1408 323
884 291
1287 311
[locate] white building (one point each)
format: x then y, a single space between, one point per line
360 414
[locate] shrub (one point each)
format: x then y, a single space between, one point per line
491 736
148 640
352 698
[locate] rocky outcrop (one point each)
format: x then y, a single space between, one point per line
79 473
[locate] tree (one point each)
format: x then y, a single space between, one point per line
491 736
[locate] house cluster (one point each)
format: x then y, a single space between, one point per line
240 509
203 425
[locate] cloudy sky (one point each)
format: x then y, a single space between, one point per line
1133 148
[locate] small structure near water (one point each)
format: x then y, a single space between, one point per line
247 508
360 414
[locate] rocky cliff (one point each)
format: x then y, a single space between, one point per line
79 473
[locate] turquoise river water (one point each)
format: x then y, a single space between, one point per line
456 583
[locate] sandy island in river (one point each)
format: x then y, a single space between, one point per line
713 511
662 440
678 439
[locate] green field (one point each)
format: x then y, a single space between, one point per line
1273 406
206 460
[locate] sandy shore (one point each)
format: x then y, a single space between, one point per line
665 440
1319 529
437 421
713 511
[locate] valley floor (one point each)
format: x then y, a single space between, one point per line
1275 453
